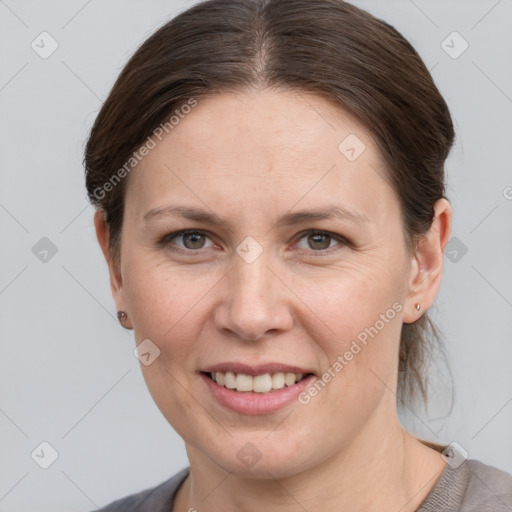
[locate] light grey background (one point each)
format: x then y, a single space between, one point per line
68 374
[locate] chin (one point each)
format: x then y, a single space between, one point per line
248 457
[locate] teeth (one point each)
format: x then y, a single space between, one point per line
289 379
229 380
262 383
219 377
278 380
243 382
259 384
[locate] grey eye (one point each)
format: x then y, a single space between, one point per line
319 241
193 240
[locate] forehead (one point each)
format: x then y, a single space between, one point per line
284 123
268 149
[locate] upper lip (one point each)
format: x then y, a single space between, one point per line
258 369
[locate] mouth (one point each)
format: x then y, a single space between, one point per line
253 390
260 383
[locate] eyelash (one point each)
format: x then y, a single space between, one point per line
164 242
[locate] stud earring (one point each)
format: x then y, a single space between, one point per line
418 307
121 316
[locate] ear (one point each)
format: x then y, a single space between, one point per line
427 264
116 282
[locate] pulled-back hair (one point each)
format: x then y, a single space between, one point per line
327 47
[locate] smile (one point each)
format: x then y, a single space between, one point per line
255 394
264 383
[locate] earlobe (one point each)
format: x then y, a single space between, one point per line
427 263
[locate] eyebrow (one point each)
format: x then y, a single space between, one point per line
288 219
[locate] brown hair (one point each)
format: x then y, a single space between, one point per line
327 47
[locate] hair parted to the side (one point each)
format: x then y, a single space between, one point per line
327 47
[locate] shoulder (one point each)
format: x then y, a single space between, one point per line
471 486
155 499
488 488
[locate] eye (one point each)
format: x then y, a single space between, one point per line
191 240
320 241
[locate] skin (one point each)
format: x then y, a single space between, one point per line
250 158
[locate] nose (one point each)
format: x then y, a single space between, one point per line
255 301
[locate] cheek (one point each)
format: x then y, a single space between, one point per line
166 305
166 308
354 306
172 394
361 325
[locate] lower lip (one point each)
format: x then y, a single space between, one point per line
256 403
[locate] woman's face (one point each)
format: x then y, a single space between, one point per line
262 281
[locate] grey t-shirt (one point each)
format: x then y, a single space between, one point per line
471 487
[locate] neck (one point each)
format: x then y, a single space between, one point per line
374 473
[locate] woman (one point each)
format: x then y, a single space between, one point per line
269 184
